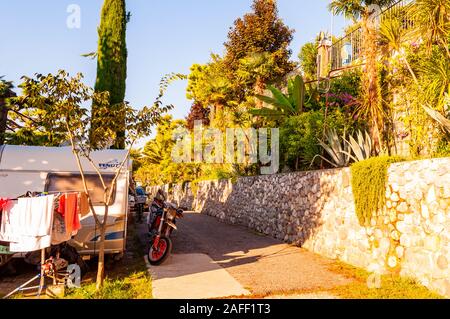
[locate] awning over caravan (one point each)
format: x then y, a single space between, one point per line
56 159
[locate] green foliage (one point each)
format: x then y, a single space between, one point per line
5 87
208 84
392 286
290 104
427 100
256 53
438 117
112 60
361 147
432 22
308 60
371 107
337 148
299 136
349 82
341 151
258 32
5 93
369 178
353 9
443 147
157 165
134 286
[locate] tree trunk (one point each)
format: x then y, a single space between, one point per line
260 86
101 253
370 82
3 120
101 258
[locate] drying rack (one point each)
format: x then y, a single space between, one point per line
41 276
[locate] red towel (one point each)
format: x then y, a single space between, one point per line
68 209
3 202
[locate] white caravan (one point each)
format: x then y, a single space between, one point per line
54 169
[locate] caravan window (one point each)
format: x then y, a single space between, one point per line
72 182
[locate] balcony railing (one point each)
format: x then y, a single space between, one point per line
348 49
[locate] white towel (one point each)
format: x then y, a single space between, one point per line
10 223
31 221
36 216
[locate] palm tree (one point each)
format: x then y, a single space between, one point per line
154 152
372 107
432 22
284 105
393 36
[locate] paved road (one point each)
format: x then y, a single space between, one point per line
262 265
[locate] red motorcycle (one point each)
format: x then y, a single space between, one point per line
160 231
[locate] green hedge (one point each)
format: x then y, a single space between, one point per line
369 180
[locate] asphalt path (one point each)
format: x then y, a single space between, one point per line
262 265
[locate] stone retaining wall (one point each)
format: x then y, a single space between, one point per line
315 210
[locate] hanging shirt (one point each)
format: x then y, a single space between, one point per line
31 222
59 233
83 204
68 208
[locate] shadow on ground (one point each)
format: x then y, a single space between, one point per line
261 264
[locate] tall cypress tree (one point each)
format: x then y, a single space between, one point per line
112 58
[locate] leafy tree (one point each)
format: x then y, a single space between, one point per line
299 136
394 37
208 85
112 60
432 22
372 106
158 166
255 69
5 93
308 60
197 113
63 98
258 32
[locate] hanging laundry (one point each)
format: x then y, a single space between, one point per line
31 220
59 233
83 204
69 210
4 202
9 222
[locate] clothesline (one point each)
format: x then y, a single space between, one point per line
40 219
54 192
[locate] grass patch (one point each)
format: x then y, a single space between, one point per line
126 279
392 286
135 286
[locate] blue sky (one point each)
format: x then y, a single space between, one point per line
163 36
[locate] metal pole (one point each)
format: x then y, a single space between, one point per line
20 287
42 280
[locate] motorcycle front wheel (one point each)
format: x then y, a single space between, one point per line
157 255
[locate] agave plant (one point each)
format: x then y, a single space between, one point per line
438 117
336 147
361 148
283 104
341 150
